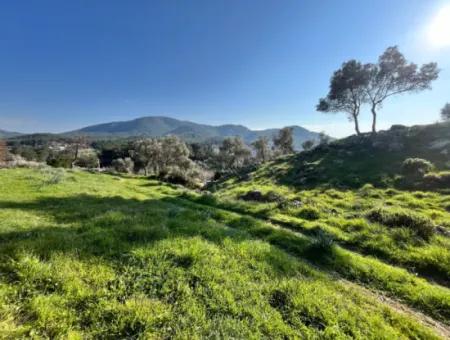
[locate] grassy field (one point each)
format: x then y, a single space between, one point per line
99 256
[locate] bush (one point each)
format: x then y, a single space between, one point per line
88 160
309 213
396 218
123 165
415 168
437 180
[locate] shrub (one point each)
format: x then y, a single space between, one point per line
123 165
437 180
415 168
88 160
309 213
421 225
52 176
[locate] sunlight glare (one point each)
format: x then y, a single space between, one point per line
439 30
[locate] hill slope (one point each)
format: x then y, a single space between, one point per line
93 256
368 159
349 192
8 134
162 126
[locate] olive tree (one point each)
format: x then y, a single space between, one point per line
233 153
284 141
262 149
347 91
445 112
394 75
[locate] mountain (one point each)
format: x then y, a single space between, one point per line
163 126
8 134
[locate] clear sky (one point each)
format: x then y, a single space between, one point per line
261 63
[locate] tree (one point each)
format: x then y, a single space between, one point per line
175 153
324 138
308 144
284 141
160 156
445 112
3 151
147 152
261 146
124 165
233 153
393 75
347 91
79 143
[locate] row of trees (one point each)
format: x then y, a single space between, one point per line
167 158
356 84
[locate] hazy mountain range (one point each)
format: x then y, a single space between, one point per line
8 134
189 131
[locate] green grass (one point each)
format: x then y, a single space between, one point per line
403 233
99 256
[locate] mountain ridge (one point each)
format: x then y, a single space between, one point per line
159 126
8 134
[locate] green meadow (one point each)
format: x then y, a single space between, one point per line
102 256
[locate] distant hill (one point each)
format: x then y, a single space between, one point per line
189 131
8 134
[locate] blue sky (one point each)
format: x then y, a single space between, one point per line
68 64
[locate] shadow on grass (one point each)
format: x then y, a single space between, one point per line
111 227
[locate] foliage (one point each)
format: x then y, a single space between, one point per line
123 165
233 154
284 142
87 160
261 146
347 91
355 84
61 159
445 112
308 145
158 156
416 168
394 75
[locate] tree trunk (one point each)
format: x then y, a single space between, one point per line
374 118
355 119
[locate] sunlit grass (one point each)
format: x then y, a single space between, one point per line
104 256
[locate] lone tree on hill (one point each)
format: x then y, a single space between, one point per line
347 91
284 142
393 75
445 112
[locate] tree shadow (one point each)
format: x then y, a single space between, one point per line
111 227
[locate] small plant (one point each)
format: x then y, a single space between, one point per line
309 213
395 218
323 241
52 176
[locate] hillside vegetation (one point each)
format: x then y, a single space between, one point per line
90 255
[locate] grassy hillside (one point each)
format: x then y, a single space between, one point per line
89 255
358 160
